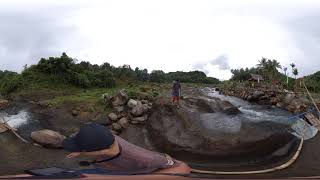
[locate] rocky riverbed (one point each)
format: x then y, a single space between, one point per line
291 101
209 131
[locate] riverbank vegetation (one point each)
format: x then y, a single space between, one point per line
274 74
65 73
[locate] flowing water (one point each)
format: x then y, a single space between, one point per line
23 120
256 113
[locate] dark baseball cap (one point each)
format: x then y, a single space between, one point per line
91 137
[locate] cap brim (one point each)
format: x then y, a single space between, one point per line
70 145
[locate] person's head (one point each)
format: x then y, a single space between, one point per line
91 138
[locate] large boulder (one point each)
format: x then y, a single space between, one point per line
200 127
48 138
120 99
3 103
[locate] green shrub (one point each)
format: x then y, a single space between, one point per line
10 83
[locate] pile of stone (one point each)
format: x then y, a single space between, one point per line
287 100
126 111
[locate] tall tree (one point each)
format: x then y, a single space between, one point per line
295 72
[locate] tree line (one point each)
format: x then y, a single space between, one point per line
272 71
66 70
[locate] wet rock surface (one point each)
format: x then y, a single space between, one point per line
288 100
215 138
203 128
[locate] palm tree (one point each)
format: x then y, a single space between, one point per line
295 72
285 73
292 65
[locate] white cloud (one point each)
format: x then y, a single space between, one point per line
169 35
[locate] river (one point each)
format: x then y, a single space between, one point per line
259 113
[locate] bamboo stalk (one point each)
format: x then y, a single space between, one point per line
314 103
13 131
283 166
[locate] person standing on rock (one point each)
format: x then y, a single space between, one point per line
114 155
176 92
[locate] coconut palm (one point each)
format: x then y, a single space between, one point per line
295 72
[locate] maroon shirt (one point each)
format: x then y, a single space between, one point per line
134 160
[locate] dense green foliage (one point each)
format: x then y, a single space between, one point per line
267 68
313 82
64 70
10 81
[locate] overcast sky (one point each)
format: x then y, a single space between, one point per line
172 35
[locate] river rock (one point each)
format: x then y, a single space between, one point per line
139 109
75 112
132 103
144 101
280 104
106 97
108 121
120 98
119 109
255 96
124 122
296 106
274 100
48 138
228 108
141 119
116 126
113 117
3 103
289 97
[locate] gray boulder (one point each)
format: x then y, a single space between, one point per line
48 138
139 109
116 126
141 119
289 97
120 99
124 122
106 97
132 103
113 117
119 109
144 101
